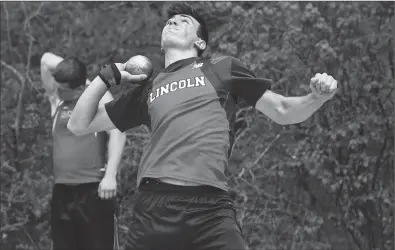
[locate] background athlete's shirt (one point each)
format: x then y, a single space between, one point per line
191 110
76 159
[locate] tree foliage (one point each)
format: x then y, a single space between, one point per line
327 183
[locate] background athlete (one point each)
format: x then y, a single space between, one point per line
82 206
182 202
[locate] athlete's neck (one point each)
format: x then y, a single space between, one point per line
174 55
71 96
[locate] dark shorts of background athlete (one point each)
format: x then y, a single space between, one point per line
80 220
169 217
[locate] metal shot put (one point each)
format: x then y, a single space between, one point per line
139 64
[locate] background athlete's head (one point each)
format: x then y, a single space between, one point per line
185 29
70 76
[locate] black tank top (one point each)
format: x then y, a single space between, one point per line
76 159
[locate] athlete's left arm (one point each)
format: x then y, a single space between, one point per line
282 110
288 110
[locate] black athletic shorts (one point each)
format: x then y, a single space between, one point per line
170 217
80 219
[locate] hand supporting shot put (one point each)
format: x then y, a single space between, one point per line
87 117
109 74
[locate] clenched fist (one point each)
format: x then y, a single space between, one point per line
108 187
323 86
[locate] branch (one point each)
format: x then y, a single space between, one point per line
29 35
29 55
260 192
8 30
249 168
13 70
352 233
19 75
265 151
378 165
13 227
116 6
19 114
36 88
19 107
31 240
36 13
7 166
19 111
388 95
22 80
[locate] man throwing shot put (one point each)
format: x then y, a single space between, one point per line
182 200
82 206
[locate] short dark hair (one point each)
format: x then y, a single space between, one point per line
185 8
71 71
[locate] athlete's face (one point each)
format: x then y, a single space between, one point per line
180 32
66 93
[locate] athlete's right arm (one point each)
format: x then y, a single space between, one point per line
88 117
49 62
123 113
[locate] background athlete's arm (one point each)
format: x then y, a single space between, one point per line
282 110
116 144
49 62
116 140
124 113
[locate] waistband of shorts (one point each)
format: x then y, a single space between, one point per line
79 186
154 185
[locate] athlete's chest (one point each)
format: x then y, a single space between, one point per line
172 91
64 114
62 117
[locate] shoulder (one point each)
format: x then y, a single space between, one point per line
217 61
227 65
220 65
223 62
142 88
136 92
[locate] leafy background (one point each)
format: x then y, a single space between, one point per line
325 184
